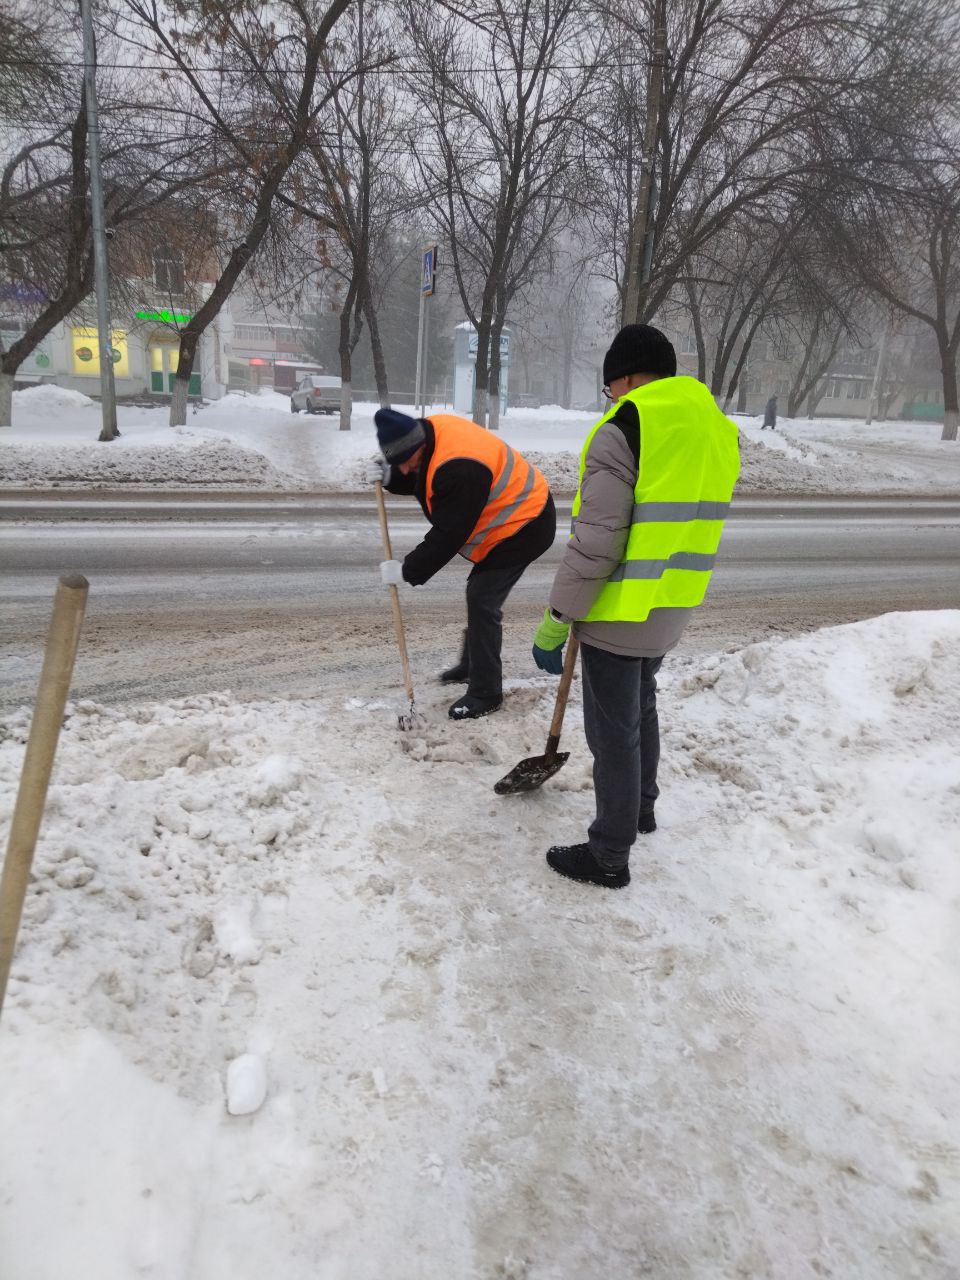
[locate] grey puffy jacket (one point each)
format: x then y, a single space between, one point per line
597 547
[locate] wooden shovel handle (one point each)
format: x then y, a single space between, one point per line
394 595
563 693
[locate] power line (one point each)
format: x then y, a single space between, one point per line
246 71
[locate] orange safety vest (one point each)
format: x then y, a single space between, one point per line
517 495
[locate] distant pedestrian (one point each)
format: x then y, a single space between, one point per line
770 415
484 502
656 476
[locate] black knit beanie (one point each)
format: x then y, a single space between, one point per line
398 435
639 348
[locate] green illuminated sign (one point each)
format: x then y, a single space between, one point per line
167 317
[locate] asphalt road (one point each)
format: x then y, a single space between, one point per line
282 596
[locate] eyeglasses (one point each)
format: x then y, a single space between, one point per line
607 393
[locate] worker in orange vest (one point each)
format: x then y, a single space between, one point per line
485 502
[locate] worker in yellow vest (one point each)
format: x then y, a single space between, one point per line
656 477
485 502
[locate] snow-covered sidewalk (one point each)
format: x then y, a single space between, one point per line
254 442
744 1065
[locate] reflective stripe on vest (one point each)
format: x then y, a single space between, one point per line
689 462
682 511
518 493
647 570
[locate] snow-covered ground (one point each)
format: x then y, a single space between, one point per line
254 442
744 1065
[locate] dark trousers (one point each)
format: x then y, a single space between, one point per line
489 584
487 589
623 734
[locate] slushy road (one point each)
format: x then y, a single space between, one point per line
282 597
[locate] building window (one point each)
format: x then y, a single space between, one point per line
168 272
85 350
253 333
687 344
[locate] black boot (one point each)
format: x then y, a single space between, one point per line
577 863
646 823
472 707
460 673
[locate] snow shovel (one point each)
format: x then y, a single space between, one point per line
535 770
410 720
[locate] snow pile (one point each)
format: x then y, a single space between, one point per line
769 469
50 400
743 1065
254 441
199 464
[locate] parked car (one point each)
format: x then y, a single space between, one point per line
317 393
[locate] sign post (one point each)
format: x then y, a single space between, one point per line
428 275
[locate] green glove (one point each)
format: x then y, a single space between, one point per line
551 634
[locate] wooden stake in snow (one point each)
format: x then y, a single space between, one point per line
62 640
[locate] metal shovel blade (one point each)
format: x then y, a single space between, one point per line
409 720
531 773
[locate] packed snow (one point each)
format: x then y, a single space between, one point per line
254 442
296 993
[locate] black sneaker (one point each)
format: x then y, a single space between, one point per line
470 707
578 863
646 823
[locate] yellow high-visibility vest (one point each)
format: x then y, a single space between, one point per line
689 463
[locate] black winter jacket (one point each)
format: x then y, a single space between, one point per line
461 488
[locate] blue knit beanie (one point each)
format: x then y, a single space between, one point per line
399 435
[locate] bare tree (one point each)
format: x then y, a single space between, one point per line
356 153
896 212
739 126
911 260
501 99
264 123
46 259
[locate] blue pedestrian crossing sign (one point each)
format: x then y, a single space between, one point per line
429 271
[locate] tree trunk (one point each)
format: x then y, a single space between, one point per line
345 351
493 408
808 389
181 383
742 358
346 404
482 377
795 395
814 398
697 318
951 416
376 346
6 399
566 397
178 401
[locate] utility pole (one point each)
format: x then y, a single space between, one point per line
101 271
640 243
